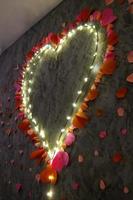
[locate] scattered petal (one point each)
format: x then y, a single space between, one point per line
102 184
130 57
126 190
80 159
107 17
117 157
107 2
37 177
120 111
121 92
18 187
123 131
130 78
60 161
102 134
96 152
130 9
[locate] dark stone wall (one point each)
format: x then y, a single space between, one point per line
16 167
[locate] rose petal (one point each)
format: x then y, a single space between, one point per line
120 111
123 131
130 57
117 157
80 158
121 92
107 17
102 134
18 187
60 161
107 2
102 184
70 138
108 67
130 78
125 190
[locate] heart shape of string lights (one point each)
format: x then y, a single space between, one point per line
60 76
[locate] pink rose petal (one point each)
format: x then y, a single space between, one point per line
130 57
60 161
70 138
102 184
120 111
102 134
123 131
107 17
18 187
130 78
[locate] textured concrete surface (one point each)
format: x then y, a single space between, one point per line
17 168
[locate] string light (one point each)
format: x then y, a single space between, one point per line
50 194
68 117
88 26
85 79
79 92
74 105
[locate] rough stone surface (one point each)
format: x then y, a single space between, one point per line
16 168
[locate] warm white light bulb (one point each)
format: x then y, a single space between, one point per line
29 90
79 92
74 105
50 194
42 134
91 67
85 79
62 130
68 117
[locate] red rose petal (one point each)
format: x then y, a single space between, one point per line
121 92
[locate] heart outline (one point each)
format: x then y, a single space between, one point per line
98 77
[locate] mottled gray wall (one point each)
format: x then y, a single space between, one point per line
16 168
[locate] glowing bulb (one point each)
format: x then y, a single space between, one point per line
50 194
42 134
85 79
62 130
29 90
95 54
79 92
36 128
68 117
51 177
74 105
39 57
91 67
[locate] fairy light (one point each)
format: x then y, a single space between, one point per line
68 117
50 194
62 130
74 105
79 92
91 29
85 79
